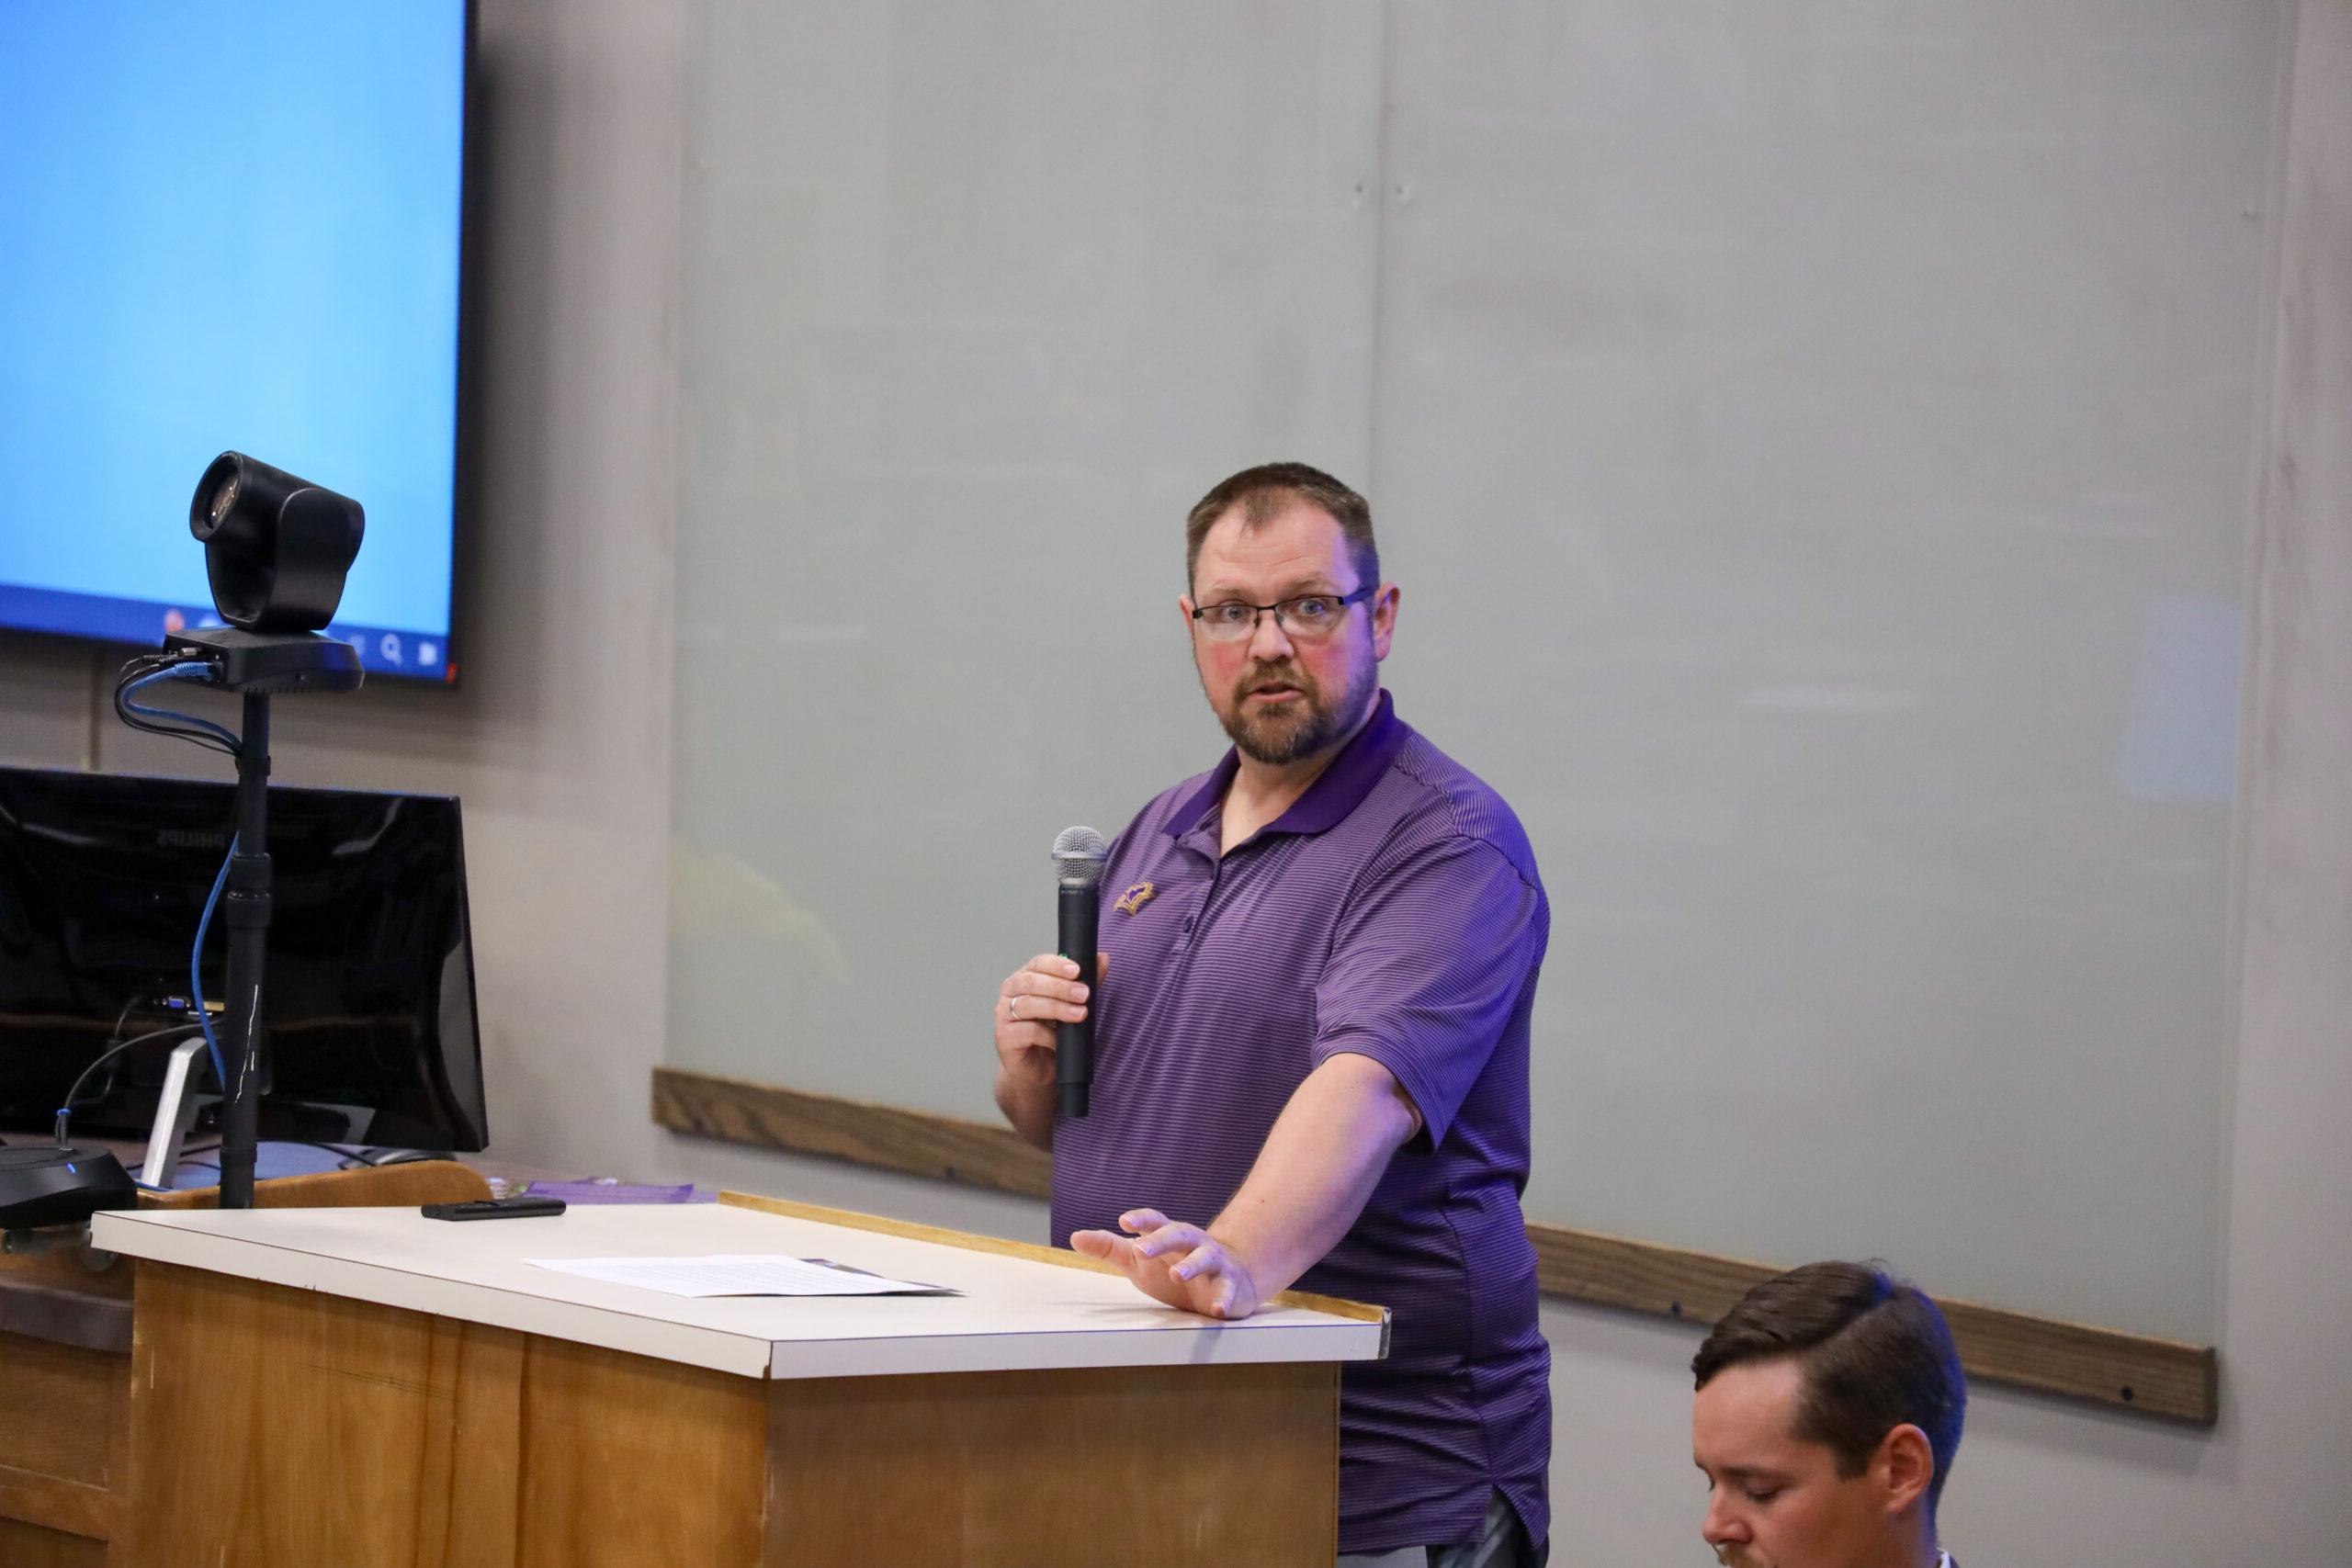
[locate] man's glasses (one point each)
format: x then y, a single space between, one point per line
1310 617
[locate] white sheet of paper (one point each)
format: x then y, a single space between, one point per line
743 1274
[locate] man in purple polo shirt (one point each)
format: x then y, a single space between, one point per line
1312 1033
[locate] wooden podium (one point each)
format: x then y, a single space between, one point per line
364 1387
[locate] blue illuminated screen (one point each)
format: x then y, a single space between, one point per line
228 225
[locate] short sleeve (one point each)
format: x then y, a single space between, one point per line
1428 962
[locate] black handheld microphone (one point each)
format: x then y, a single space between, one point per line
1078 854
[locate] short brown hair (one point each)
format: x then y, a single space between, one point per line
1267 491
1873 1351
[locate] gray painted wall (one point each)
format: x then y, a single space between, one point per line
559 746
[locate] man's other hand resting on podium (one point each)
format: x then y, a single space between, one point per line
1320 1163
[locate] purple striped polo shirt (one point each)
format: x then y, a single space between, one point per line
1393 911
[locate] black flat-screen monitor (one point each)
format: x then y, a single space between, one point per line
235 225
368 1004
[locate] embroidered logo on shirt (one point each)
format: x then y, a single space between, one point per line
1135 897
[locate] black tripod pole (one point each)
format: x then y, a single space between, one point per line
247 916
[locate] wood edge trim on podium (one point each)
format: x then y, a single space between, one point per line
1059 1256
53 1503
411 1182
2135 1372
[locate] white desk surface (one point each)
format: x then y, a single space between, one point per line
1014 1315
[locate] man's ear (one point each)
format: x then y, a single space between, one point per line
1384 618
1904 1467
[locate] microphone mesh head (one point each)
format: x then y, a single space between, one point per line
1078 853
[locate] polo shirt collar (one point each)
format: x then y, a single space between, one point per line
1336 791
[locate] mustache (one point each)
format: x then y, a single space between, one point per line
1272 677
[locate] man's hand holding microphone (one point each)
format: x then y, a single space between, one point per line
1034 1002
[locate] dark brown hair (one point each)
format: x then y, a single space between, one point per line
1875 1354
1267 491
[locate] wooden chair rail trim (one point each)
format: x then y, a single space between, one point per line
2105 1366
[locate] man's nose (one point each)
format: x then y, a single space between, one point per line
1722 1527
1268 641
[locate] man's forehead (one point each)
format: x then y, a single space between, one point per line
1300 542
1746 1412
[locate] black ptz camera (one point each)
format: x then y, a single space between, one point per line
275 548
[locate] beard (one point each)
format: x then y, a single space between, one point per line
1282 733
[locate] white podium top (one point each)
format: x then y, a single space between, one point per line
1015 1313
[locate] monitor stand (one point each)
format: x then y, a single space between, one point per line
176 1111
